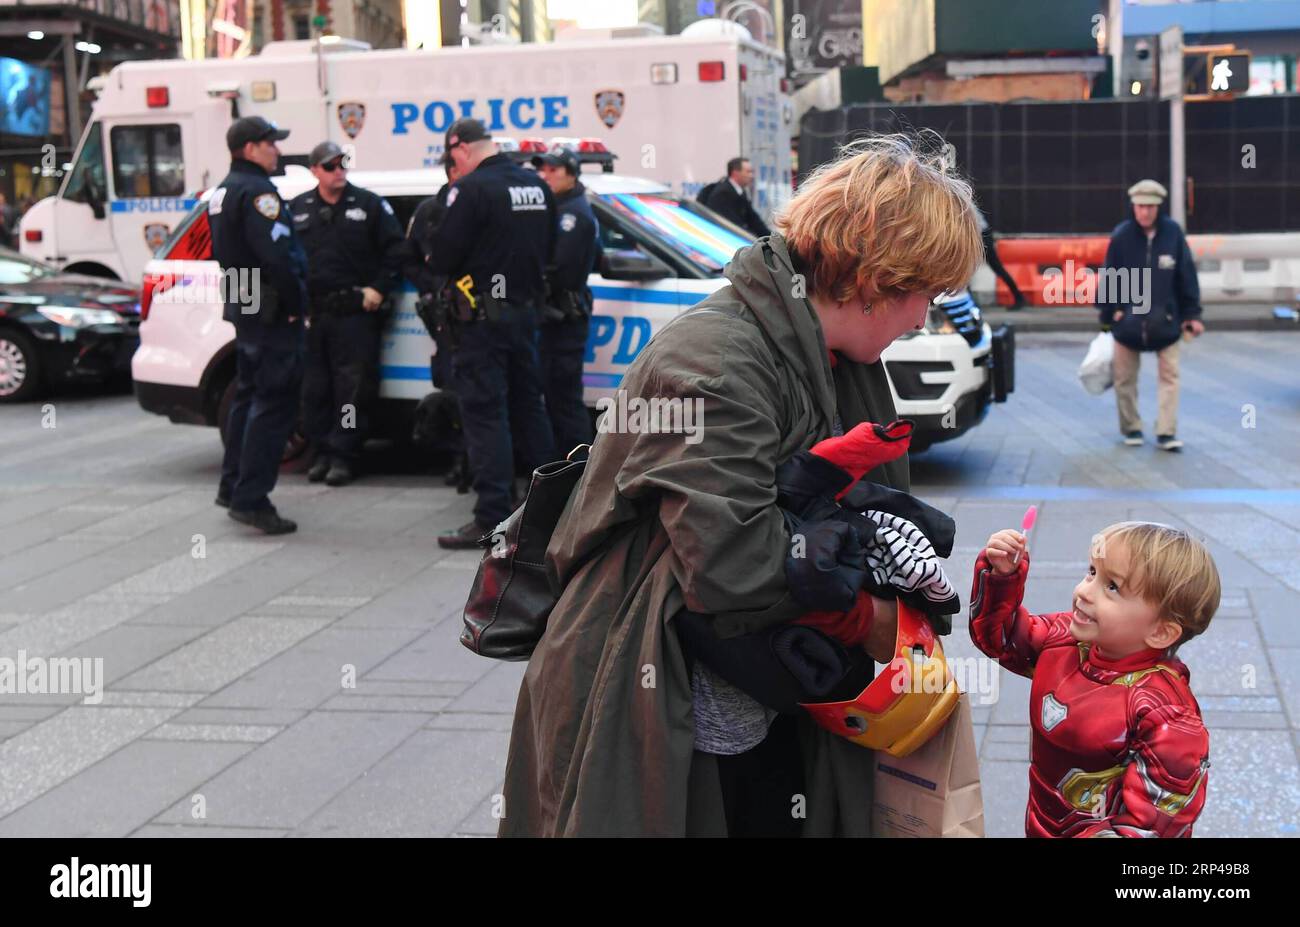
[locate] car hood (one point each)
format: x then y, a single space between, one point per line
74 290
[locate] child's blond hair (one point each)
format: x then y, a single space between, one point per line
1169 569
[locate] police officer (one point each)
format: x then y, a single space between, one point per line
415 267
265 296
567 313
354 253
494 243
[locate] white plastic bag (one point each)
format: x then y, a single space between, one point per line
1097 372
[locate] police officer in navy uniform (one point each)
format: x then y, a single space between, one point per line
265 294
354 253
567 312
494 244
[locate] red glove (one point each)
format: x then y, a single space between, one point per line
850 628
866 447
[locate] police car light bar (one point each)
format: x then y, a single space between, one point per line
591 146
533 146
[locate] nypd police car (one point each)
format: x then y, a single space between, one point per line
661 255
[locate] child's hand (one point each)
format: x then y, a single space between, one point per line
1004 550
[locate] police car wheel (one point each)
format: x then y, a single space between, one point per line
20 367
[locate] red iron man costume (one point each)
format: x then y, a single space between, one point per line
1119 748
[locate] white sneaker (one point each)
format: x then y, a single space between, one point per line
1168 443
1134 439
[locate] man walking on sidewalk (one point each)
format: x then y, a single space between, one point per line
1156 300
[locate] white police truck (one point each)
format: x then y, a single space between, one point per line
661 253
677 107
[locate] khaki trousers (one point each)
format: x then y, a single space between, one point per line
1126 383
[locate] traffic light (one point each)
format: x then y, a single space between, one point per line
1229 73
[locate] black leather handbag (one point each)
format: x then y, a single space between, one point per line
512 597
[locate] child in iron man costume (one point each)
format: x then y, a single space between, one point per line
1118 747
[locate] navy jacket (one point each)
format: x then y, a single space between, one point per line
355 242
500 219
252 231
1175 293
577 243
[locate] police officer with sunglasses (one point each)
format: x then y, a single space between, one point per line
354 251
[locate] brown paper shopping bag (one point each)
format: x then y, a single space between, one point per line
934 791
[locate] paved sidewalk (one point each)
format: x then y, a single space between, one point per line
228 706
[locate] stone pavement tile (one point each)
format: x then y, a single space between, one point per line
144 517
483 820
1277 610
278 717
123 791
1286 662
308 673
27 710
20 569
1254 786
114 698
184 572
471 721
10 728
37 502
496 691
216 733
998 750
369 686
1013 700
240 592
126 648
437 655
283 782
50 525
1005 785
45 755
310 606
1224 659
441 775
70 626
1243 720
169 831
223 655
423 600
368 572
423 704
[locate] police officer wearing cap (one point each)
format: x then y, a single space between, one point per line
264 277
567 311
431 287
494 244
354 254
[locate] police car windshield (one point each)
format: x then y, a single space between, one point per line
687 229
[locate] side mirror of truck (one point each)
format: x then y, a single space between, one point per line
633 265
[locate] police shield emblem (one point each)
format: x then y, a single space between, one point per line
352 116
155 234
609 107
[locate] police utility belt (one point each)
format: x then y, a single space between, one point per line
345 301
470 304
565 305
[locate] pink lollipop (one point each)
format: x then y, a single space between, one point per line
1026 525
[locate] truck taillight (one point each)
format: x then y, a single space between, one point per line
33 235
711 71
744 73
156 97
153 285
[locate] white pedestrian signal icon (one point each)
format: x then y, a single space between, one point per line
1221 75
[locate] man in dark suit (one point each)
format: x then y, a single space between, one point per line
728 198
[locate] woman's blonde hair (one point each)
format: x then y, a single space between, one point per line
1169 569
885 217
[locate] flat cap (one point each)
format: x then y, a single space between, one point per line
1147 193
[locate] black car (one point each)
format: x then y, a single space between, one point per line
59 328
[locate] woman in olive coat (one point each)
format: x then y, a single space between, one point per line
615 733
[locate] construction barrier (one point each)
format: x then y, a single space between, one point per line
1248 268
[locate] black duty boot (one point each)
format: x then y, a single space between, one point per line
466 537
320 468
268 521
340 473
